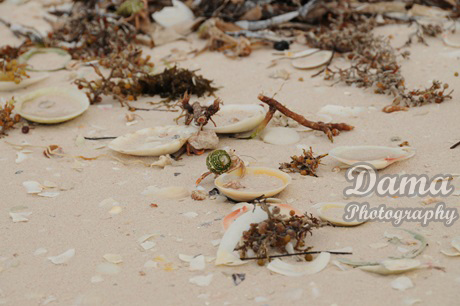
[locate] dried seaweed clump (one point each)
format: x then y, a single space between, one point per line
305 164
276 233
174 82
7 119
10 69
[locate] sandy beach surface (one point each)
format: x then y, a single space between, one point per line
75 219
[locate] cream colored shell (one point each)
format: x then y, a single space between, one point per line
256 115
313 60
55 112
324 212
378 156
155 141
247 195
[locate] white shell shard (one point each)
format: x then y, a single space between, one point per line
62 258
163 161
108 268
393 266
334 212
52 104
20 216
402 283
146 242
281 136
113 258
32 186
455 243
344 111
236 118
281 267
314 60
265 175
198 263
45 59
378 156
155 141
202 280
170 16
204 140
48 194
171 192
451 39
12 86
232 236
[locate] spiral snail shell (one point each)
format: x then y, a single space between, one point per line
218 161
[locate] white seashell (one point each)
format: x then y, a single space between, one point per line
345 111
402 283
12 86
378 156
328 211
314 60
108 268
313 267
32 186
246 194
232 236
393 266
146 242
163 161
52 104
46 63
198 263
155 141
237 118
113 258
20 216
173 15
281 136
62 258
455 243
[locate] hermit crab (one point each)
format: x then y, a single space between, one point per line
221 161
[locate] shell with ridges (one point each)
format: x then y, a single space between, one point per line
218 161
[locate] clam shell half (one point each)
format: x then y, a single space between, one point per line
52 59
378 156
155 141
246 194
237 118
334 212
52 104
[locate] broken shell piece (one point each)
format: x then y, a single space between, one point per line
45 59
256 182
455 243
62 258
113 258
334 212
236 118
202 280
20 216
11 86
393 266
402 283
163 161
32 186
155 141
378 156
204 140
451 39
281 136
313 267
52 104
170 16
314 60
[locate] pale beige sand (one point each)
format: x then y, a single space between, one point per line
75 220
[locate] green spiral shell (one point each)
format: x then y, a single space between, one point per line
218 161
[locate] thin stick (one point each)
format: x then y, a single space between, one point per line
100 138
455 145
330 129
296 254
131 108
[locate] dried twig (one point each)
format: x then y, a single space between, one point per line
297 254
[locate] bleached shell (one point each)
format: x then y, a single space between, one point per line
47 115
281 267
314 60
393 266
12 86
232 236
402 283
65 57
455 243
378 156
170 16
452 40
155 141
324 209
281 136
62 258
246 195
256 115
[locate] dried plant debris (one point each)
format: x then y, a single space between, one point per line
7 118
305 164
281 233
196 113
